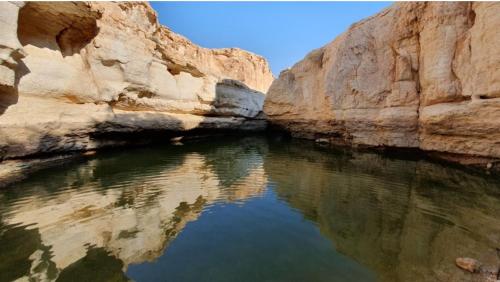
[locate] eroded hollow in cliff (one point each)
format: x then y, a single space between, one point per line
63 26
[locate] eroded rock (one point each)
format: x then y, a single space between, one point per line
420 75
73 71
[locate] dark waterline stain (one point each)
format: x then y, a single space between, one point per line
248 209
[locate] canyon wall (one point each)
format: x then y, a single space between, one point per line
71 73
419 75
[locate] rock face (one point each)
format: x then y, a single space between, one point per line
72 71
419 75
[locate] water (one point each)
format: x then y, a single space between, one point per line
248 209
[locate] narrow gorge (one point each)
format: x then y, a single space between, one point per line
332 172
79 76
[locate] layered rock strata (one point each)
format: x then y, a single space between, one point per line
418 75
72 71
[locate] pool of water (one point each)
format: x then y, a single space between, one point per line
248 209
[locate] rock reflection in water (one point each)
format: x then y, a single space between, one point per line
125 207
406 220
400 220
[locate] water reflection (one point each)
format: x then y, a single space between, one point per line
406 220
124 206
118 216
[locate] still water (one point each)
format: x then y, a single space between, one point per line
247 209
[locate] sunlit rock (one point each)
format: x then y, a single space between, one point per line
72 71
419 75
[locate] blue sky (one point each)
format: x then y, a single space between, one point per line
282 32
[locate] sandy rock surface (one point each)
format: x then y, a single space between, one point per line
70 71
419 75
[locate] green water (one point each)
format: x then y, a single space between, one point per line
248 209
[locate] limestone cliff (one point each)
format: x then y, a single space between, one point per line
71 72
419 75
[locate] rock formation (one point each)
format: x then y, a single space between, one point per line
418 75
71 72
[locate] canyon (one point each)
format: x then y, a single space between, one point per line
79 76
85 75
